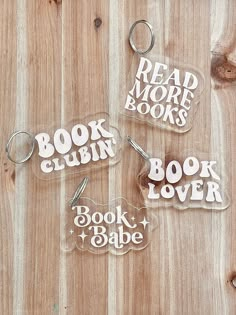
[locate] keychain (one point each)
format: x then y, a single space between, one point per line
159 91
192 183
73 148
117 227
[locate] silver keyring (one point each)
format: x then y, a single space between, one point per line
137 148
141 52
8 147
79 191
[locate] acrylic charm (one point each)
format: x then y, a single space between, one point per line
71 148
187 181
117 227
160 91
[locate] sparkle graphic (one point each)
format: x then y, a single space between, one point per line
133 218
71 231
144 223
82 235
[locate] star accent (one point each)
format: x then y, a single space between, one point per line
133 218
71 231
144 223
82 235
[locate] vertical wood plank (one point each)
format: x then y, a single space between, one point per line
223 70
85 64
8 102
41 257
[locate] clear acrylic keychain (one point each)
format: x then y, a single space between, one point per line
117 227
73 147
189 181
160 91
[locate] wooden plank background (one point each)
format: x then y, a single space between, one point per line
58 57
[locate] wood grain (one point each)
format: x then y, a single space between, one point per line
63 59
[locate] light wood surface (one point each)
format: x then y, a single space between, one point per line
59 59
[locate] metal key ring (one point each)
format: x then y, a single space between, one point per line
137 148
79 191
9 143
141 52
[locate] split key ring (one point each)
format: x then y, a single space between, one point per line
31 151
131 41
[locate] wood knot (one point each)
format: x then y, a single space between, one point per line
144 180
222 70
55 1
233 281
97 22
5 167
13 176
